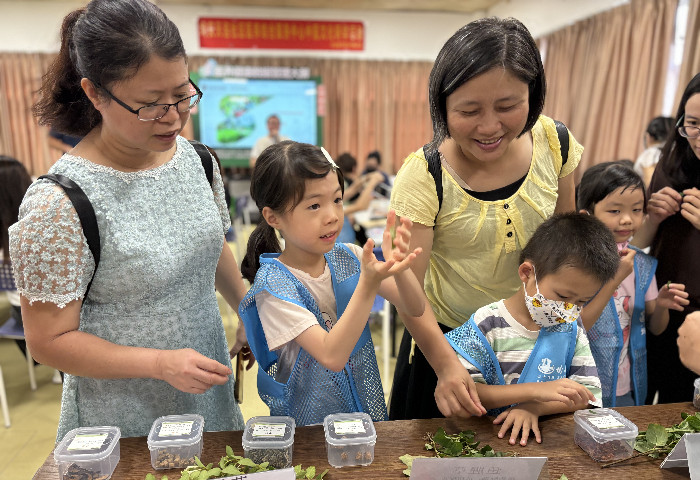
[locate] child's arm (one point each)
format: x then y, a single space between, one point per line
332 348
671 295
591 312
564 391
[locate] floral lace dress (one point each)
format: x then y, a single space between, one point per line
162 231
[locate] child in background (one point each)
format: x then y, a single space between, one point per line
307 310
513 348
615 320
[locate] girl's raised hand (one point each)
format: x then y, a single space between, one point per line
663 204
396 246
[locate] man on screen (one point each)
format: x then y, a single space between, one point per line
273 136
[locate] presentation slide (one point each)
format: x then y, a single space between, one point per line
233 112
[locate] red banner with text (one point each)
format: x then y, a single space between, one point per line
280 34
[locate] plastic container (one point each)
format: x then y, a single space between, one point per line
269 439
174 441
696 395
88 452
350 439
604 434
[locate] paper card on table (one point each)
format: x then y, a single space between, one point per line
282 474
686 453
508 468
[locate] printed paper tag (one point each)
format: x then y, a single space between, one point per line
492 468
269 429
345 427
87 442
605 421
175 429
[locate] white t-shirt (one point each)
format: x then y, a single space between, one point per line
648 158
263 142
284 321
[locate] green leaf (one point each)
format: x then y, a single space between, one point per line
229 451
323 474
199 462
150 476
563 477
310 473
642 446
214 472
694 422
231 470
656 434
247 462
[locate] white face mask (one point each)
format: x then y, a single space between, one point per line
548 313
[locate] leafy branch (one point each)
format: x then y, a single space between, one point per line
658 441
232 464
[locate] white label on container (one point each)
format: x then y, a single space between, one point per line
175 429
345 427
269 429
605 421
87 442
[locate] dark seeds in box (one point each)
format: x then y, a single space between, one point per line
275 457
603 452
78 473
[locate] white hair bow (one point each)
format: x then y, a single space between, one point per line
328 157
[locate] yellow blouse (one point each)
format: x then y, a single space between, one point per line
477 244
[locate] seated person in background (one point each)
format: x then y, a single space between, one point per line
357 197
374 159
62 142
273 136
528 354
654 138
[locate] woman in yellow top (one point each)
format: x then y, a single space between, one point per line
502 172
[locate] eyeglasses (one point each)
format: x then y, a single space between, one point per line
687 131
150 113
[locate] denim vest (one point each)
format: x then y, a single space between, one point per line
548 361
606 337
313 391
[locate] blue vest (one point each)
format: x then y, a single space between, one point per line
313 391
606 337
548 361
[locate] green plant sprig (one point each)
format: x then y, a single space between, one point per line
658 441
462 444
232 464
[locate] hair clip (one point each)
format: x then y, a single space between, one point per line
328 157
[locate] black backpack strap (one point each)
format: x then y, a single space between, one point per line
86 214
563 134
432 156
206 158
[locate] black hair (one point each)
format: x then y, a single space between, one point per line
106 41
346 162
278 182
14 182
476 48
677 160
376 155
602 179
573 240
659 128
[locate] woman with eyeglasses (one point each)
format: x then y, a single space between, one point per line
672 228
147 339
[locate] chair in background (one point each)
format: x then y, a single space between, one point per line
12 329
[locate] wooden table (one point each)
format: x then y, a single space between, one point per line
400 437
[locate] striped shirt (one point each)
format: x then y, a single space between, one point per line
512 343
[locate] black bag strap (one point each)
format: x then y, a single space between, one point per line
432 156
86 214
563 134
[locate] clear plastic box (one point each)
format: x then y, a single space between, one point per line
696 394
174 441
350 439
269 439
88 452
604 434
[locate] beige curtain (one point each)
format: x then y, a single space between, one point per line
371 105
606 77
691 53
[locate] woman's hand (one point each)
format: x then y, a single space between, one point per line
690 206
663 204
189 371
672 296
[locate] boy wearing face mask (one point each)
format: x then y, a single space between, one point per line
528 354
